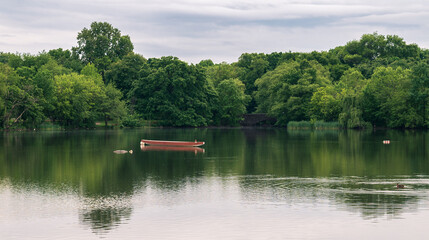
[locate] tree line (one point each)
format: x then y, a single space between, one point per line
376 80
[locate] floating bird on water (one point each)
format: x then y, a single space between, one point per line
123 151
399 185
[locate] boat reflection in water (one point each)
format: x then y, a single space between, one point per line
171 148
160 145
171 143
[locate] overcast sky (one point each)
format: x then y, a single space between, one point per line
220 30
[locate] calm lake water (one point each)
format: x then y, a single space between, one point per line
242 184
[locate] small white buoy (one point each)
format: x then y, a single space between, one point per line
123 151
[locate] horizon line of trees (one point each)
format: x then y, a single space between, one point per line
376 80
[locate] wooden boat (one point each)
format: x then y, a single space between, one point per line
171 143
196 150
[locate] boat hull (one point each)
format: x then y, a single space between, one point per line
144 147
171 143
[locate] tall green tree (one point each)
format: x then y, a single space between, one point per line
112 107
350 89
174 92
285 93
254 66
386 101
109 105
232 101
44 79
19 100
78 98
325 104
125 71
101 45
419 95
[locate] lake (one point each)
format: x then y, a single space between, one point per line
242 184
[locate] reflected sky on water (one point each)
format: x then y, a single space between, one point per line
246 184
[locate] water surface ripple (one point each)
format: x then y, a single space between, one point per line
246 184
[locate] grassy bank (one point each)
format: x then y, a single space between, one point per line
313 125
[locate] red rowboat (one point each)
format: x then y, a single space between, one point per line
171 143
172 148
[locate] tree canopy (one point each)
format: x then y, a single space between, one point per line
102 45
173 92
376 80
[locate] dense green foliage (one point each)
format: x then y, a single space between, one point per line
374 81
173 92
102 45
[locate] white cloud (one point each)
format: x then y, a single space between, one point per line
221 30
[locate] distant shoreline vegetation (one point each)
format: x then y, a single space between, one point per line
313 125
374 81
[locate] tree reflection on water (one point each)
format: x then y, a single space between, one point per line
105 219
352 170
